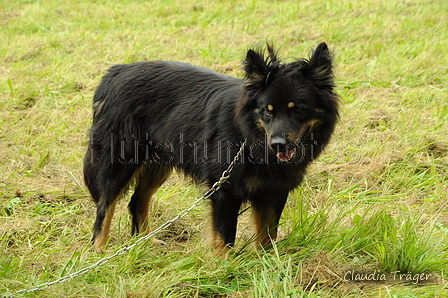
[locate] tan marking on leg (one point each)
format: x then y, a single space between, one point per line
142 213
143 218
222 251
220 247
265 222
144 192
103 236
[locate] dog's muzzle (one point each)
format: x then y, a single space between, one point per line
283 148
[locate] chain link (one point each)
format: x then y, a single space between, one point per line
214 188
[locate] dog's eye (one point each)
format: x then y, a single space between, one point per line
297 111
268 113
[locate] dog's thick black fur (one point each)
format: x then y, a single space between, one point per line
151 117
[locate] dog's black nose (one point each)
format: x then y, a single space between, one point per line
279 144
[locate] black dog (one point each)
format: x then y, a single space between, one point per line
151 117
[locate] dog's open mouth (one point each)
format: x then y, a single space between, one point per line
287 155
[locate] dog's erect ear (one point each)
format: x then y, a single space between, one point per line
255 66
320 66
321 60
260 70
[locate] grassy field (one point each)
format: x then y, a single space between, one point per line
374 205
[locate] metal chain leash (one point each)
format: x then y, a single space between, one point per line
214 188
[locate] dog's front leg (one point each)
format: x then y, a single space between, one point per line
224 218
266 212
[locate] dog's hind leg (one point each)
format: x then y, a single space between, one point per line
105 212
266 212
148 181
106 192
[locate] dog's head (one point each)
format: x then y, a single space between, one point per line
293 104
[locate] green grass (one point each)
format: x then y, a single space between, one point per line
376 201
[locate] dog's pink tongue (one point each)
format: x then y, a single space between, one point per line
285 156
